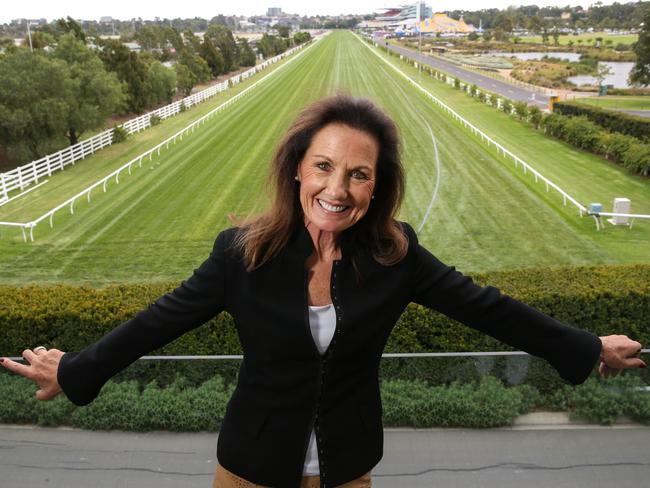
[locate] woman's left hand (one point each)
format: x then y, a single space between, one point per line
619 352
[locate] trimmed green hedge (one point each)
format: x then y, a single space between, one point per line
603 299
611 120
581 132
179 407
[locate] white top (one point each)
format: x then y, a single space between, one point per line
322 322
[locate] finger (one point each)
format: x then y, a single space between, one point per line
40 350
602 370
29 355
46 394
18 368
635 363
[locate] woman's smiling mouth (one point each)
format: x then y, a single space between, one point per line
332 208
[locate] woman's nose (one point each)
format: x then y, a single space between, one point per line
337 186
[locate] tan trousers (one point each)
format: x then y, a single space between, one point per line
225 479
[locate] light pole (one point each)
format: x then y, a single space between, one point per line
29 35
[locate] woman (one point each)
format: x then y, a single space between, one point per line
315 285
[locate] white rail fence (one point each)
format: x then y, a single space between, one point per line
69 203
30 173
501 150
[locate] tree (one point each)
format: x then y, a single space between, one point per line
161 83
535 24
212 56
130 69
150 37
602 72
191 41
246 55
222 38
70 25
197 66
96 92
640 74
271 45
283 30
32 126
300 37
40 40
184 79
487 36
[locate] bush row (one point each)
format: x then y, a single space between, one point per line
602 299
179 407
611 120
581 132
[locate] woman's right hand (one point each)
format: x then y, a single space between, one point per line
42 366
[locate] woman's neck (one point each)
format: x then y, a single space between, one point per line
325 246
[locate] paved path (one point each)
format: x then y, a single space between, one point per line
556 457
496 86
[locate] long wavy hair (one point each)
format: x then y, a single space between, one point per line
377 233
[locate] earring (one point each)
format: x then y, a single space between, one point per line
372 197
296 178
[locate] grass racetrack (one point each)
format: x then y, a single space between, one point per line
622 103
474 209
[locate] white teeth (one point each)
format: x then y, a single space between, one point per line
331 208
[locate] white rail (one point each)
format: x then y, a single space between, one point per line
149 153
30 173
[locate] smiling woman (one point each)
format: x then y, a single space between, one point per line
337 177
316 285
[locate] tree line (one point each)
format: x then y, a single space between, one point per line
69 83
532 17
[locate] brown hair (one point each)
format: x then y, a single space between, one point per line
377 233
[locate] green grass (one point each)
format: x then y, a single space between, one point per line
623 103
585 38
160 222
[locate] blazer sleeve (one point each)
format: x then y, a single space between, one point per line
572 352
82 374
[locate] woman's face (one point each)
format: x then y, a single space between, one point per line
337 177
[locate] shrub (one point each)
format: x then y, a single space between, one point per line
611 120
535 116
521 110
182 107
154 120
416 404
506 106
119 134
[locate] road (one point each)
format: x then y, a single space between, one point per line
508 90
32 457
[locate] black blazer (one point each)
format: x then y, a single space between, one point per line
285 387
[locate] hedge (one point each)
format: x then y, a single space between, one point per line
180 407
611 120
579 131
602 299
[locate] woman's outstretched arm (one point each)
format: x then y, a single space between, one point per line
81 375
572 352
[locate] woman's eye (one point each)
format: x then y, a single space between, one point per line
323 165
359 175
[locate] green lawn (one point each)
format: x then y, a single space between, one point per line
587 39
623 103
160 222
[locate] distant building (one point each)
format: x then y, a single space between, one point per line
274 12
133 46
402 17
442 24
106 20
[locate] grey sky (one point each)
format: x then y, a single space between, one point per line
147 9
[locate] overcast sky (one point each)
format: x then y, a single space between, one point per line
148 9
